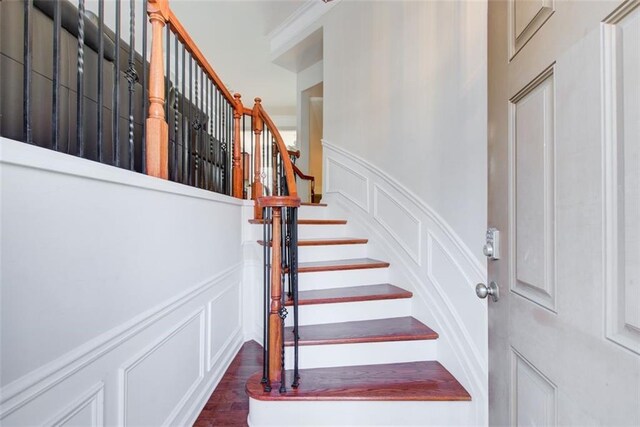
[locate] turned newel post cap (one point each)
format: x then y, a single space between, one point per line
237 96
258 100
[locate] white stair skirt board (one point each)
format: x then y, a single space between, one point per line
315 314
312 212
370 353
331 252
357 413
337 279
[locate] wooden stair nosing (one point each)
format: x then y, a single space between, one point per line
318 205
362 331
410 381
327 242
308 221
384 291
340 265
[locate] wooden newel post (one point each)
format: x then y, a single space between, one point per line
275 322
238 175
157 140
256 188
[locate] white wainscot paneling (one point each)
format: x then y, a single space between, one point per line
526 17
533 395
621 53
156 384
348 182
533 196
223 323
398 220
86 411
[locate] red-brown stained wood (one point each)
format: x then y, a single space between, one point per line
319 205
341 264
413 381
363 331
275 322
278 201
237 166
383 291
327 242
308 221
229 403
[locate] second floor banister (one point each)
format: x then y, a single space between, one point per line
178 122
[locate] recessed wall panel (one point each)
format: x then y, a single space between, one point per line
533 395
526 17
621 53
533 198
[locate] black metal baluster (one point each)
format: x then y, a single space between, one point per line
167 89
190 122
210 136
185 158
100 112
218 143
132 76
28 63
229 157
293 270
145 95
283 310
175 115
196 125
55 125
116 93
80 82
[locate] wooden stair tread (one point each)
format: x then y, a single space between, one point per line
362 331
382 291
412 381
327 242
308 221
319 205
341 264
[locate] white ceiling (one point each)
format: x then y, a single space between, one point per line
232 34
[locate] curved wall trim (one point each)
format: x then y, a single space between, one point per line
426 256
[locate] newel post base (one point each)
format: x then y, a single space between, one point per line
157 148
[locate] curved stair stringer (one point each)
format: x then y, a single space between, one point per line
440 269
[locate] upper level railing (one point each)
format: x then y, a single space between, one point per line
149 101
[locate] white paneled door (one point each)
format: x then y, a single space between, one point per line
564 192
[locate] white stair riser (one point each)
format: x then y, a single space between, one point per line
312 212
358 413
331 252
314 231
337 279
332 355
350 311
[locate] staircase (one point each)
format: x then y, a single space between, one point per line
364 359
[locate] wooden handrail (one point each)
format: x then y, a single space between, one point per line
295 153
311 178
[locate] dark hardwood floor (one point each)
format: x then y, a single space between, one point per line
229 403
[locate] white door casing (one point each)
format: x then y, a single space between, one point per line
564 190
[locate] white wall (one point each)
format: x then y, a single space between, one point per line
120 293
405 89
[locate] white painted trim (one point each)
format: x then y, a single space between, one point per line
480 270
93 394
148 351
17 153
328 189
297 25
23 390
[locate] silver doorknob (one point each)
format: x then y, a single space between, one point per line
482 291
487 250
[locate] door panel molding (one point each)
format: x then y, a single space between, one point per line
621 173
524 22
533 386
532 190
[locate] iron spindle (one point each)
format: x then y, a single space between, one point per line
183 96
100 112
267 221
55 129
132 76
116 93
195 125
293 270
176 159
28 62
145 95
190 123
80 82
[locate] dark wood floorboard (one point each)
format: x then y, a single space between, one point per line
229 403
421 381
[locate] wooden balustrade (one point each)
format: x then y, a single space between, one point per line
256 187
238 174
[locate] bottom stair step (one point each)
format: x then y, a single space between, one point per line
414 381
